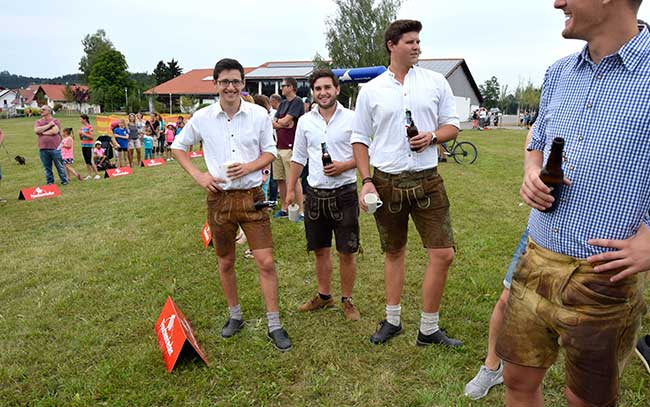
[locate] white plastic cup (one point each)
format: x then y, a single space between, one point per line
372 202
293 212
224 170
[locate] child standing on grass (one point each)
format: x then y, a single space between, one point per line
148 143
67 153
170 134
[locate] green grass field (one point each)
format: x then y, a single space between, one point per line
84 276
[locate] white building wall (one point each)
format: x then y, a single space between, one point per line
463 107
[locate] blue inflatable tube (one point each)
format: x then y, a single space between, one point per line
358 74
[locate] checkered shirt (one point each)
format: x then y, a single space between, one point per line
603 113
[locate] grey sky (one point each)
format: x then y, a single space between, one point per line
514 40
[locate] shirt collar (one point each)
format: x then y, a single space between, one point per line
244 108
316 111
391 75
630 54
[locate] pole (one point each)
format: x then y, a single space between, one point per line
170 103
126 99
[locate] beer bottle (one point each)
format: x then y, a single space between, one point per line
552 174
327 159
411 129
259 205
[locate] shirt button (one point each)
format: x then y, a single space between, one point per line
232 135
599 77
572 167
589 105
580 138
556 230
233 151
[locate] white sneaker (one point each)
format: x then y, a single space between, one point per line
87 177
98 177
484 380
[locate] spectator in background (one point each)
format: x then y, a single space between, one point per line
170 134
263 100
86 135
148 143
99 156
48 130
67 153
121 134
134 140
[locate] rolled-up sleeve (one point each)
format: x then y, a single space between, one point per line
362 123
447 107
538 137
267 143
187 138
300 153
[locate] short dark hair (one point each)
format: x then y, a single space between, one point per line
398 28
227 64
323 73
85 117
67 130
291 82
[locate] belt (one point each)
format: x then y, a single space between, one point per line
322 192
411 175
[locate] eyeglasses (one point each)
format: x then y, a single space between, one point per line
224 83
284 85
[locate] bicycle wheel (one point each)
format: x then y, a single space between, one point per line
464 153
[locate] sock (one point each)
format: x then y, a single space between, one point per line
273 320
324 297
235 312
393 314
429 322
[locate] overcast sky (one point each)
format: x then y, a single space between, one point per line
514 40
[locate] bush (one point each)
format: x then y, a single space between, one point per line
57 107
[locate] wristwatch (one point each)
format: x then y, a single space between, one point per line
434 139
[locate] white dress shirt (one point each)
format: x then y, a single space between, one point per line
241 139
311 132
380 119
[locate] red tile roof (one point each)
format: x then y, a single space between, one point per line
194 82
56 92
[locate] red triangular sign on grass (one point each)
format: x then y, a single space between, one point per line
118 172
44 191
175 335
154 162
206 235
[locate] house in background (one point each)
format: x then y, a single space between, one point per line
37 95
266 79
7 97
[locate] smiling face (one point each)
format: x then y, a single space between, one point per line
229 85
325 92
582 18
407 49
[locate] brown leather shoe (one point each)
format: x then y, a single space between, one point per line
316 303
350 311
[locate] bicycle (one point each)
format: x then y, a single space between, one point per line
462 152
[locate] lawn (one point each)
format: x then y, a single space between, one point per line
84 276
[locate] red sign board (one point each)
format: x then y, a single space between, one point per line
118 172
175 336
206 235
196 154
45 191
155 162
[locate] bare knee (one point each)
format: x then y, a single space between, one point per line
346 259
265 264
227 264
575 401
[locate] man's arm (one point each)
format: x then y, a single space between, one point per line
444 133
339 167
238 170
631 255
362 161
295 170
204 179
286 122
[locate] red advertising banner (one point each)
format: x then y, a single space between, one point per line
175 336
196 154
206 235
45 191
154 162
118 172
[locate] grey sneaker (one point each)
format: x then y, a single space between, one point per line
484 380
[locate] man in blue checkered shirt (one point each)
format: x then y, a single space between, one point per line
579 284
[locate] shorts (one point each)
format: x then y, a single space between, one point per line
334 210
87 152
122 149
557 300
421 195
68 161
521 248
282 164
229 210
135 143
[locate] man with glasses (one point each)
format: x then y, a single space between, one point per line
48 130
238 142
286 119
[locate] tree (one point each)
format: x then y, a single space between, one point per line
165 72
355 35
490 91
94 45
108 79
67 94
528 96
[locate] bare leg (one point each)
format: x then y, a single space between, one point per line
324 270
348 266
228 278
268 278
523 385
299 196
435 278
282 189
394 275
496 322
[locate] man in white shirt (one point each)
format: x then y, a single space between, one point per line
405 175
323 138
238 142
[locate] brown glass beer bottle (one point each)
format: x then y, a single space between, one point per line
411 129
552 174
